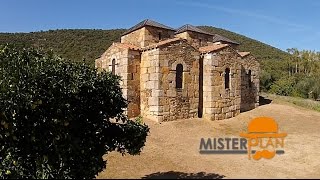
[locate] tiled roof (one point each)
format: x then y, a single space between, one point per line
161 43
212 48
189 27
147 22
127 46
217 38
243 54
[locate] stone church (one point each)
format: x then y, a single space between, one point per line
169 74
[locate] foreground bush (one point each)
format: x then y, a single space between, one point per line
56 117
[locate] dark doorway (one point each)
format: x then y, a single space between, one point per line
200 106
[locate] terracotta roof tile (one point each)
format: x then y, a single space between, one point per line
212 48
243 54
161 43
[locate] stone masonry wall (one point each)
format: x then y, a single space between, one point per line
150 84
152 35
218 102
133 79
160 100
127 66
179 103
146 36
249 93
136 37
193 38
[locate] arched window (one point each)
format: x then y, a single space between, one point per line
227 78
113 66
179 74
249 78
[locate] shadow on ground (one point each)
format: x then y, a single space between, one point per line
264 101
182 175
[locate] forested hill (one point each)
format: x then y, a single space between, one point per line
91 43
73 44
260 50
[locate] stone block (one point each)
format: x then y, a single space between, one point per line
157 93
171 93
151 70
145 77
143 70
153 101
152 85
155 76
153 108
164 62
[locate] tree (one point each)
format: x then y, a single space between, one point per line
57 117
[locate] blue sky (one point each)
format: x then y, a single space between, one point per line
280 23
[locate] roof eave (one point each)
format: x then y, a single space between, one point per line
128 32
194 31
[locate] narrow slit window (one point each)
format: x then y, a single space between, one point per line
179 76
159 36
227 78
249 78
113 67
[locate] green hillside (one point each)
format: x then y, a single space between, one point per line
71 44
90 44
260 50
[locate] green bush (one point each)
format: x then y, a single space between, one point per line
284 86
56 117
308 87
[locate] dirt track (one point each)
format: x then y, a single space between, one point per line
172 149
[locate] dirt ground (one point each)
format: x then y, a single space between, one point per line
172 148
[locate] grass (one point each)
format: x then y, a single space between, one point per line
306 103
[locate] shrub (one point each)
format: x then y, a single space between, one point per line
284 86
56 117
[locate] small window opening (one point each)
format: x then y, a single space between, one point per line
179 76
113 66
227 78
249 79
